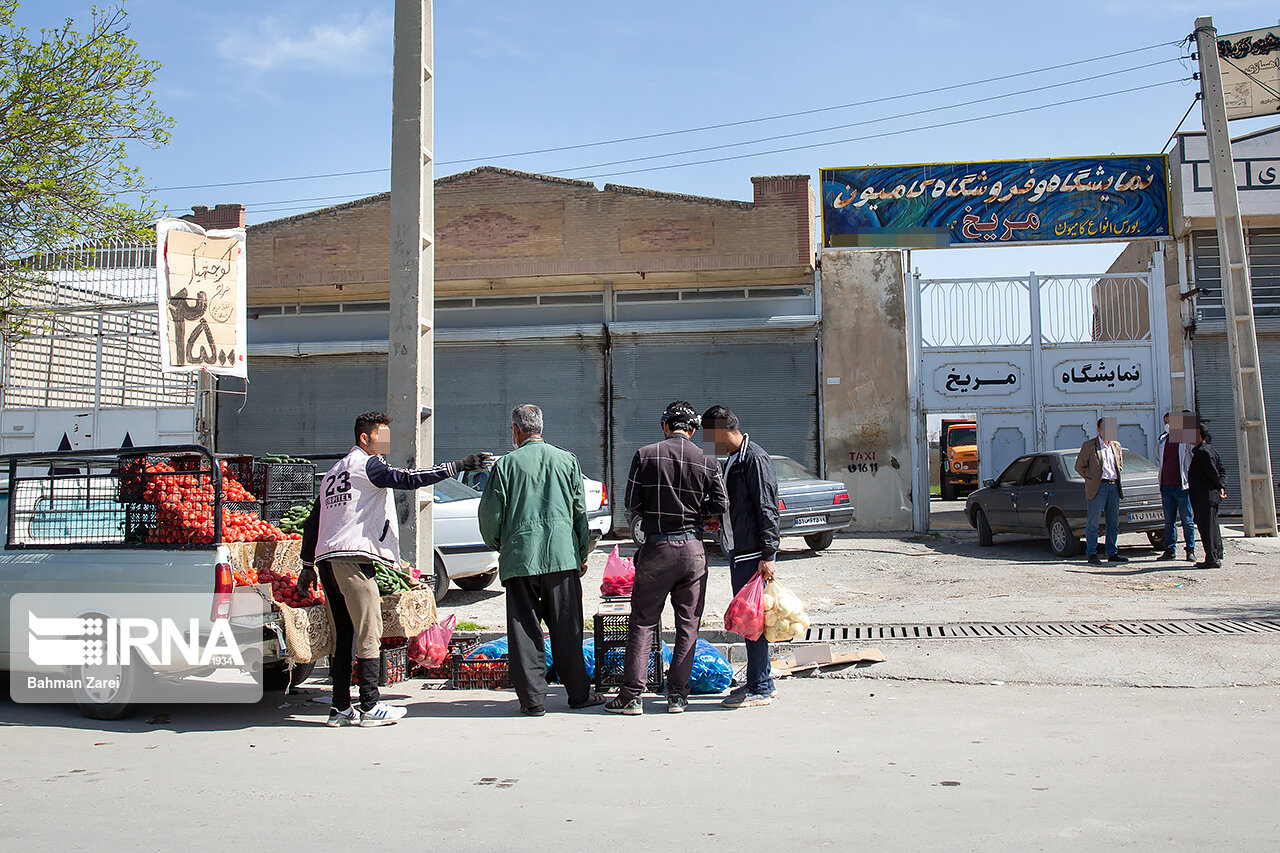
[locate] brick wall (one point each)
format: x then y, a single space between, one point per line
498 230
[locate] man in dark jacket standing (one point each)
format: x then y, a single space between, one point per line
752 534
1207 482
534 514
672 489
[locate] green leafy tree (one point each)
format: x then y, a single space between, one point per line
72 103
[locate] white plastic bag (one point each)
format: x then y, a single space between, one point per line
784 616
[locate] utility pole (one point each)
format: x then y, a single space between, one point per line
1256 490
410 357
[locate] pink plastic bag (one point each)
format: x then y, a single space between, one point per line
431 647
745 614
619 576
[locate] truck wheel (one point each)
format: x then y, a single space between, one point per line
474 583
948 492
110 690
820 541
1063 542
440 581
276 676
984 529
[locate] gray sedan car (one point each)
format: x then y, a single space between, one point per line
808 506
1041 494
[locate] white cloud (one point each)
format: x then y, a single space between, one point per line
345 43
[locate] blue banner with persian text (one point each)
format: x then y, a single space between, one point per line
1002 202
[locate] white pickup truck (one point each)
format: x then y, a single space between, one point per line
69 526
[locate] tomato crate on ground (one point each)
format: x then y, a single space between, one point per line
490 674
285 480
459 645
393 665
611 648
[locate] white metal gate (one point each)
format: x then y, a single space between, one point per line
1039 359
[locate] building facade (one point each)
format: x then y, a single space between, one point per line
599 305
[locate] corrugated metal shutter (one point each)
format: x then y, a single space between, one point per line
477 386
302 406
1215 403
769 379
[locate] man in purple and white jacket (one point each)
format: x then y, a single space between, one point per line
352 527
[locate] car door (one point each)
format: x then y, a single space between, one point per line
1002 506
1036 494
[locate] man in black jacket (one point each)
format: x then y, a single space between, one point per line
751 536
1207 482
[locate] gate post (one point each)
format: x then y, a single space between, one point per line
919 431
1159 322
1039 428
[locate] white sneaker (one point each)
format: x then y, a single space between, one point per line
349 717
382 714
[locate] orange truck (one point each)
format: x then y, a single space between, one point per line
958 458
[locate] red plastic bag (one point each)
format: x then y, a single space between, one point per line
619 576
745 614
431 647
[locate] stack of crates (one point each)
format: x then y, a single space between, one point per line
611 648
282 486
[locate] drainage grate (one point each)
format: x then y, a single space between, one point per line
1040 630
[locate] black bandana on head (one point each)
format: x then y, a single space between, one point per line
682 418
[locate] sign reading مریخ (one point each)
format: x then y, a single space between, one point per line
202 298
936 205
978 380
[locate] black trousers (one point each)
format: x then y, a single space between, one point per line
677 569
1206 516
554 598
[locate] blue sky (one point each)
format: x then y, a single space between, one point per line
286 88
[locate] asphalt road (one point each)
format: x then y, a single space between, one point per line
1045 744
830 765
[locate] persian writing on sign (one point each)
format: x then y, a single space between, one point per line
202 299
935 205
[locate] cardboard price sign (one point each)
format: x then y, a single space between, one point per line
202 298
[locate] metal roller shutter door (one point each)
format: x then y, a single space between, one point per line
769 379
302 406
477 386
1214 401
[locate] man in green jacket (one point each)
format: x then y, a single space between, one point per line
534 514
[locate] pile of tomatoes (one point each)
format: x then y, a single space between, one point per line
184 502
284 588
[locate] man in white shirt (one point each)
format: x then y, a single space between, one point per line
1100 462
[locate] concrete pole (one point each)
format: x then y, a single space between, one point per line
410 362
1257 492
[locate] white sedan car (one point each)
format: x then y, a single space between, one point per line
599 517
461 556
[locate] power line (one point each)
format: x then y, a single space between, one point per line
890 132
1194 101
870 120
815 110
685 130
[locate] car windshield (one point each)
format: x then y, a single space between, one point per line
790 469
1134 463
449 489
958 436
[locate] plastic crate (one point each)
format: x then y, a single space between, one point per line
281 480
459 645
611 648
274 509
393 665
490 674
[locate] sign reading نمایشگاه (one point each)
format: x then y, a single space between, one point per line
1249 64
997 203
201 298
